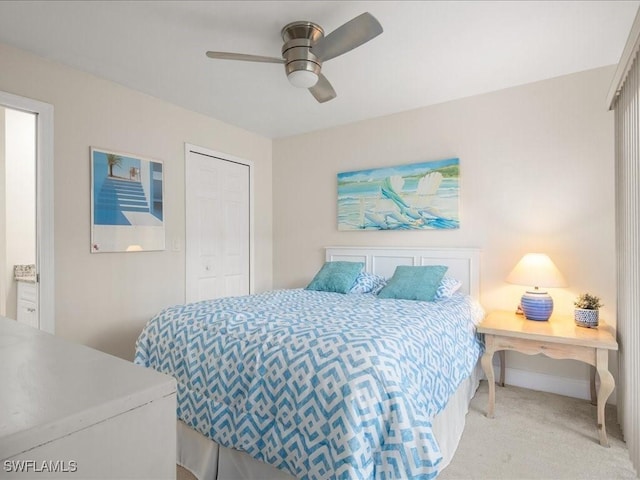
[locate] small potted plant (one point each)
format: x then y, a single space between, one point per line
586 313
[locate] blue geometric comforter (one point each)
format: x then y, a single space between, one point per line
322 385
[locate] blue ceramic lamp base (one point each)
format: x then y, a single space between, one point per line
537 305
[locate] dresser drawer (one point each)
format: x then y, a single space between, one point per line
27 292
28 314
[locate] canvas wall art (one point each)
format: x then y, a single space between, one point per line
415 196
127 203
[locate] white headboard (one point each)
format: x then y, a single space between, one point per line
463 263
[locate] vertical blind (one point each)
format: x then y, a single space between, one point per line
625 100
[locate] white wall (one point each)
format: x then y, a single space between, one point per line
536 167
103 300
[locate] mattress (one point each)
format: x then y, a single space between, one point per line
317 384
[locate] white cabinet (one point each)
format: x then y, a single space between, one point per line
28 303
68 411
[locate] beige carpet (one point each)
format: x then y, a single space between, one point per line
537 435
534 435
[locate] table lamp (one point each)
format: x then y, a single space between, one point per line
536 270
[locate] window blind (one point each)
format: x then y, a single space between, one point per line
625 100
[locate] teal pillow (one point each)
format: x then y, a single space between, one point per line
414 283
336 277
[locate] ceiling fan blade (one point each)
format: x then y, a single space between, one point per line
347 37
244 57
323 91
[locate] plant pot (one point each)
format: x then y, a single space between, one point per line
585 317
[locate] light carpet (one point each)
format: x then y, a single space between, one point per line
534 435
537 435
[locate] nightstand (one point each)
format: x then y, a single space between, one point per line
557 338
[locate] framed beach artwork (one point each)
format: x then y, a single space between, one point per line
127 203
418 196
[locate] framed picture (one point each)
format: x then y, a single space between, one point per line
127 202
417 196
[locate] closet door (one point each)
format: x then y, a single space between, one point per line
218 225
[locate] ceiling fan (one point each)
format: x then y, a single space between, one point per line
305 48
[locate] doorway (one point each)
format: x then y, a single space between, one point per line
26 211
219 225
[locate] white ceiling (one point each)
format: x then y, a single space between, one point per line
430 51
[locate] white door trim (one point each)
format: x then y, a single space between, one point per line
44 202
188 148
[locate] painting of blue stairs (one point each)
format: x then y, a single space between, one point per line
127 203
117 196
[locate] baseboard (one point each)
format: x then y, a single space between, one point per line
570 387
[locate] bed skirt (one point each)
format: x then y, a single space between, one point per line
209 461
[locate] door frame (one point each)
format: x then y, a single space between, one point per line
190 148
44 203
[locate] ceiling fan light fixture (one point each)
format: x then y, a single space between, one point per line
305 48
302 78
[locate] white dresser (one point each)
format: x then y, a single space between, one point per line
26 276
27 306
68 411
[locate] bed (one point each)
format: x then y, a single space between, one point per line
316 384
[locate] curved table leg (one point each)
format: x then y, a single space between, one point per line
607 383
487 366
502 354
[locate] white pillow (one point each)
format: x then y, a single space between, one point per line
368 283
448 286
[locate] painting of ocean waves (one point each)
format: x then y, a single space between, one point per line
407 197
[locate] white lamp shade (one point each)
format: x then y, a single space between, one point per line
536 270
302 78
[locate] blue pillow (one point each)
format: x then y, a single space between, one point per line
414 283
368 283
336 277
